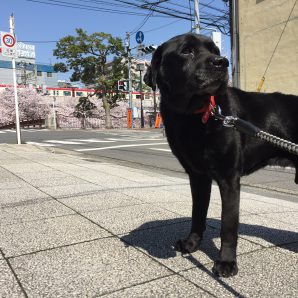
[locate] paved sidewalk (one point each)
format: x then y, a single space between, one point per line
75 227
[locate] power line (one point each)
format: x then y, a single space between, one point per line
158 28
161 8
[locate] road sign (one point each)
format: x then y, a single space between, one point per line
139 37
123 85
9 45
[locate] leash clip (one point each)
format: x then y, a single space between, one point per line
229 121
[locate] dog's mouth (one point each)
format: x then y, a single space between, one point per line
211 83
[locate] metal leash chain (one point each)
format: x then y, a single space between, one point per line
287 145
250 129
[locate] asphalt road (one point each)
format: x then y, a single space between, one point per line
145 148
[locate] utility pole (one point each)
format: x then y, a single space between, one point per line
18 129
141 68
235 42
127 44
129 68
197 17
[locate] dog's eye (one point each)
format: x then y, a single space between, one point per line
187 51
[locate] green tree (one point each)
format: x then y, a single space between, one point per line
84 109
86 55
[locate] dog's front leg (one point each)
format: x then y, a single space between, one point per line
230 194
200 190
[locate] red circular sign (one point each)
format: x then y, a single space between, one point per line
8 40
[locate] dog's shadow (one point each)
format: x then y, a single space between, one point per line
158 238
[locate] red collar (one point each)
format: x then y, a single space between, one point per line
207 109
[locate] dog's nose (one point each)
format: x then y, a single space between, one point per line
219 62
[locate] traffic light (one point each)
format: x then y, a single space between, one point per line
149 49
123 85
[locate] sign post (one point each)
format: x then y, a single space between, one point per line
9 49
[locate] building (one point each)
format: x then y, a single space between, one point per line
28 71
266 34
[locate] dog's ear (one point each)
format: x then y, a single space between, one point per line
152 70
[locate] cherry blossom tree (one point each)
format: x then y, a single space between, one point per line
32 106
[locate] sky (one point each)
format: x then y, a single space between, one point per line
42 25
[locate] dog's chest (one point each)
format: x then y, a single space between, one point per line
191 147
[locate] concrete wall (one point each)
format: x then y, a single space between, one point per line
261 23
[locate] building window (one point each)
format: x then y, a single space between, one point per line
66 93
49 74
39 73
79 93
138 96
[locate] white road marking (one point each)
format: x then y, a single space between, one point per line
64 142
35 130
133 139
91 141
10 130
2 131
40 144
160 149
120 146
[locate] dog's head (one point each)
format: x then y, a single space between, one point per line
186 68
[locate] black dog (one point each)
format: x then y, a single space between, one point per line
188 70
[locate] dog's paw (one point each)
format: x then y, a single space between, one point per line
225 269
188 245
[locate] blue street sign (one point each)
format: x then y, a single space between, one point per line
140 37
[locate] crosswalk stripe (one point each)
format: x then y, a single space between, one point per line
64 142
10 130
91 140
40 144
133 139
160 149
120 146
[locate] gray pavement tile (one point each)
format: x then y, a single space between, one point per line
71 190
125 219
171 286
9 287
159 243
55 181
182 188
33 211
5 174
257 207
266 231
25 167
20 196
291 249
264 273
286 217
85 270
11 183
271 176
269 200
185 208
66 167
49 174
99 201
144 179
154 194
28 237
106 180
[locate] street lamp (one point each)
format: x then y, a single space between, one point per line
140 68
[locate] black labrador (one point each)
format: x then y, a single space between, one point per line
188 70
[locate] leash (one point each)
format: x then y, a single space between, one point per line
245 127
